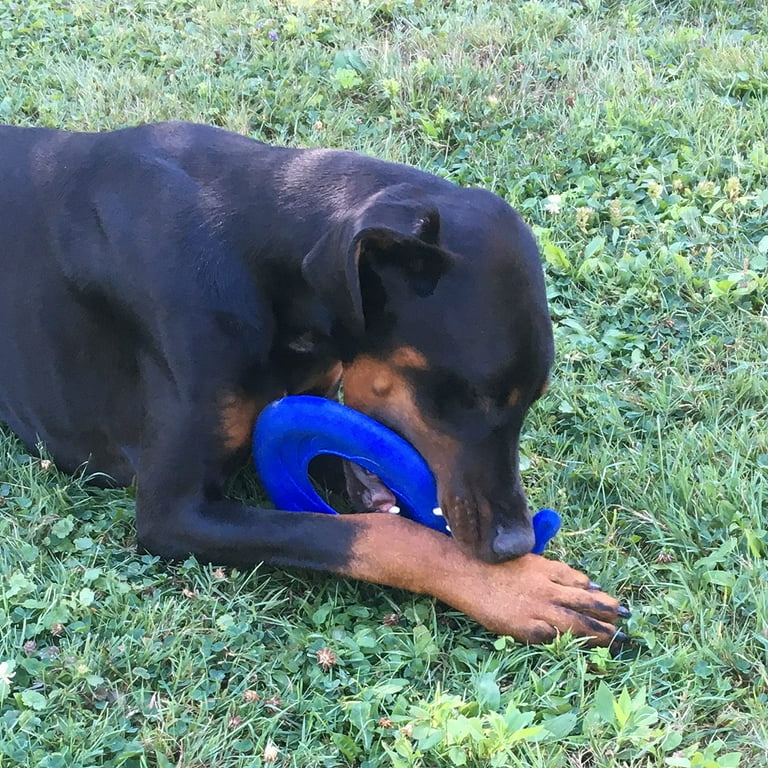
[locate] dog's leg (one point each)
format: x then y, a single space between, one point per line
532 599
181 511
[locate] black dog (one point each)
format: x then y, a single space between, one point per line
160 285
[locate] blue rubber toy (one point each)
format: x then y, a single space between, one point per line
290 432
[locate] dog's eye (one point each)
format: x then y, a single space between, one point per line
451 393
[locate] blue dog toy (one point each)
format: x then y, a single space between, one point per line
290 432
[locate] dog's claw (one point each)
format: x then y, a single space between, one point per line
623 612
594 587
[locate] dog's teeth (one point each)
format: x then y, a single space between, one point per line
437 512
394 510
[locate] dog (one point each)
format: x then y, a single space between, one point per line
162 284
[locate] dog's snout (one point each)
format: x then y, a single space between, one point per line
512 542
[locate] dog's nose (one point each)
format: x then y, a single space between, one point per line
513 542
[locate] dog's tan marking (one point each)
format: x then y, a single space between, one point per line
514 398
382 385
237 416
378 388
531 598
409 357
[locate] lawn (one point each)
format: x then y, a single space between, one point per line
633 136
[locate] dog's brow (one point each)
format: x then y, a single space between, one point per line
408 357
237 416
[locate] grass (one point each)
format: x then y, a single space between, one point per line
633 137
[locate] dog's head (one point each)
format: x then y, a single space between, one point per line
441 319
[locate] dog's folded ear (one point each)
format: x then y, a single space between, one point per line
391 245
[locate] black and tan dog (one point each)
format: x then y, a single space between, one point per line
159 285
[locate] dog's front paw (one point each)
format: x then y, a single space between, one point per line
534 600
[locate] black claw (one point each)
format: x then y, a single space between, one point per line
594 587
626 647
624 612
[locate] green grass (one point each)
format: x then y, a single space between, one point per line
650 122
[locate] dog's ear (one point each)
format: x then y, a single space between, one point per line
393 246
427 226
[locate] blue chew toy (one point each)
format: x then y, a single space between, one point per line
290 432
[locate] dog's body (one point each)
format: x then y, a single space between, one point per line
161 284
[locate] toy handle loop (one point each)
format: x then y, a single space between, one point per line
290 432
